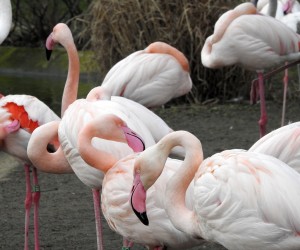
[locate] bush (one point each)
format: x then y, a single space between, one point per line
119 28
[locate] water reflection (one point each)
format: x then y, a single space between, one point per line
48 89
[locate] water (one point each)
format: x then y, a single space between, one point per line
47 88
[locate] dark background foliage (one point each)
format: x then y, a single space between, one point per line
113 29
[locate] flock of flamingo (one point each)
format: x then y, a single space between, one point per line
113 142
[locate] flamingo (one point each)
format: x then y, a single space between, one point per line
76 117
151 77
116 188
287 11
237 41
148 121
25 114
234 193
5 19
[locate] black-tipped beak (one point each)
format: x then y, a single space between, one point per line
48 54
142 217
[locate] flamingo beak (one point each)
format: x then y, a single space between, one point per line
138 200
133 140
49 46
48 54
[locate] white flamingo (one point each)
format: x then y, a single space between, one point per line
151 77
148 122
26 113
236 40
234 195
116 187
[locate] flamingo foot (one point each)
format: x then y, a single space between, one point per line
127 244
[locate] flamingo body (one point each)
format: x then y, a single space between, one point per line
76 116
33 111
254 47
282 143
234 194
151 77
120 217
5 19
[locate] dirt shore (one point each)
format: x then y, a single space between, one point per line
66 210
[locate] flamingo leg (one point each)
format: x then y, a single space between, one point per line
253 92
96 198
127 244
263 113
298 69
36 198
28 202
285 86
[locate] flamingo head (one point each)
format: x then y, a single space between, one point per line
147 169
138 199
60 34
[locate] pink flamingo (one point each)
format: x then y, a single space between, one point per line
151 77
287 12
26 113
116 187
233 193
148 121
256 47
69 128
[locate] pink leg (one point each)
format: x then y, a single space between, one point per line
127 244
96 198
28 202
36 198
285 85
263 113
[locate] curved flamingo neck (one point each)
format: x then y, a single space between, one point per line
179 182
96 158
99 93
164 48
226 19
72 82
56 162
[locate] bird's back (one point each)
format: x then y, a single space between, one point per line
151 79
236 193
255 42
282 143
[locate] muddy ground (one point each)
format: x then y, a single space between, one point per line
66 210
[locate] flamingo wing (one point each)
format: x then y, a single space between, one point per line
241 196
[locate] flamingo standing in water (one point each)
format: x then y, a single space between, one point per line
234 195
236 40
116 187
151 77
